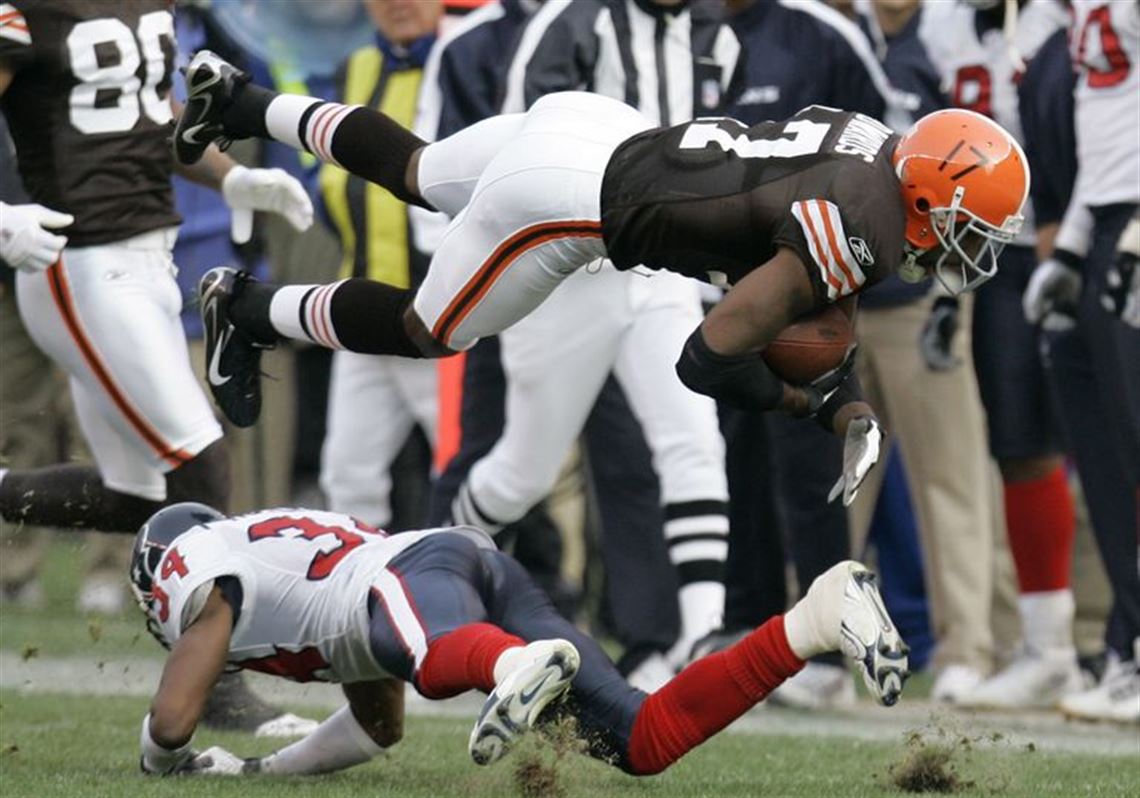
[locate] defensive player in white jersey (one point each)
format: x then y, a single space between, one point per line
1093 284
312 595
978 46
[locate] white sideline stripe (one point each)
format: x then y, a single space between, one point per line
403 617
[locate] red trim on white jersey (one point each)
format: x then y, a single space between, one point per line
827 242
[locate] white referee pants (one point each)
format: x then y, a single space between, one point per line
374 403
556 361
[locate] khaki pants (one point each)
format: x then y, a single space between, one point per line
938 422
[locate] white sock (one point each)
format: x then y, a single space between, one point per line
508 661
283 121
1047 619
283 117
303 312
804 637
3 473
812 625
702 608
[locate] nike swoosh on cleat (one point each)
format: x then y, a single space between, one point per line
188 135
526 697
217 379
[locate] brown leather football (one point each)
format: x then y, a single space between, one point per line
812 345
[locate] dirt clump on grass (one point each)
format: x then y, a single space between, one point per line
537 759
928 767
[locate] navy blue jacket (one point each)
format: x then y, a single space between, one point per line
1046 108
801 54
473 63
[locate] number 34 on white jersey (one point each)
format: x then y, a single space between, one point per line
305 578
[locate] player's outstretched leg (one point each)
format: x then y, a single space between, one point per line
541 673
842 611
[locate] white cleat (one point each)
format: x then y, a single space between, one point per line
955 682
868 636
1115 699
1034 680
516 702
842 611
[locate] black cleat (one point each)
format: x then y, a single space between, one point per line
210 85
233 357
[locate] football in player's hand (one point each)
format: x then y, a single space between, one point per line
812 345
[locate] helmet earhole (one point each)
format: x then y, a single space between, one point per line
922 204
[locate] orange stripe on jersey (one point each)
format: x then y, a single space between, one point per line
61 293
832 280
484 279
836 250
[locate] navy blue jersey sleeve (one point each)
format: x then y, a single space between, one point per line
1046 108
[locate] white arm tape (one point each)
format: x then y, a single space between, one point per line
338 743
1075 232
156 758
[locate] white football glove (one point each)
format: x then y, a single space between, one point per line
25 242
1052 296
273 190
1121 295
214 761
860 453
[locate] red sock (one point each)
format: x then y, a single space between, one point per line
1040 517
708 695
463 660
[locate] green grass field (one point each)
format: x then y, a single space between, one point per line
53 744
62 746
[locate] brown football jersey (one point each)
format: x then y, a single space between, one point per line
89 111
714 199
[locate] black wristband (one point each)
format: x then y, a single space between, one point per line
850 390
743 381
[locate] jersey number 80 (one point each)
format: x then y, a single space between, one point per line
105 57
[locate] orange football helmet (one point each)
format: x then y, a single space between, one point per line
964 184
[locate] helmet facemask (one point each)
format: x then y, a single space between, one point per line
969 246
144 565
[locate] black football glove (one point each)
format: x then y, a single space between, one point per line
1121 295
937 339
825 388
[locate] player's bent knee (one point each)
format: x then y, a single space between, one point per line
420 336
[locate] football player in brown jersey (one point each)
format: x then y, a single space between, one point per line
789 215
